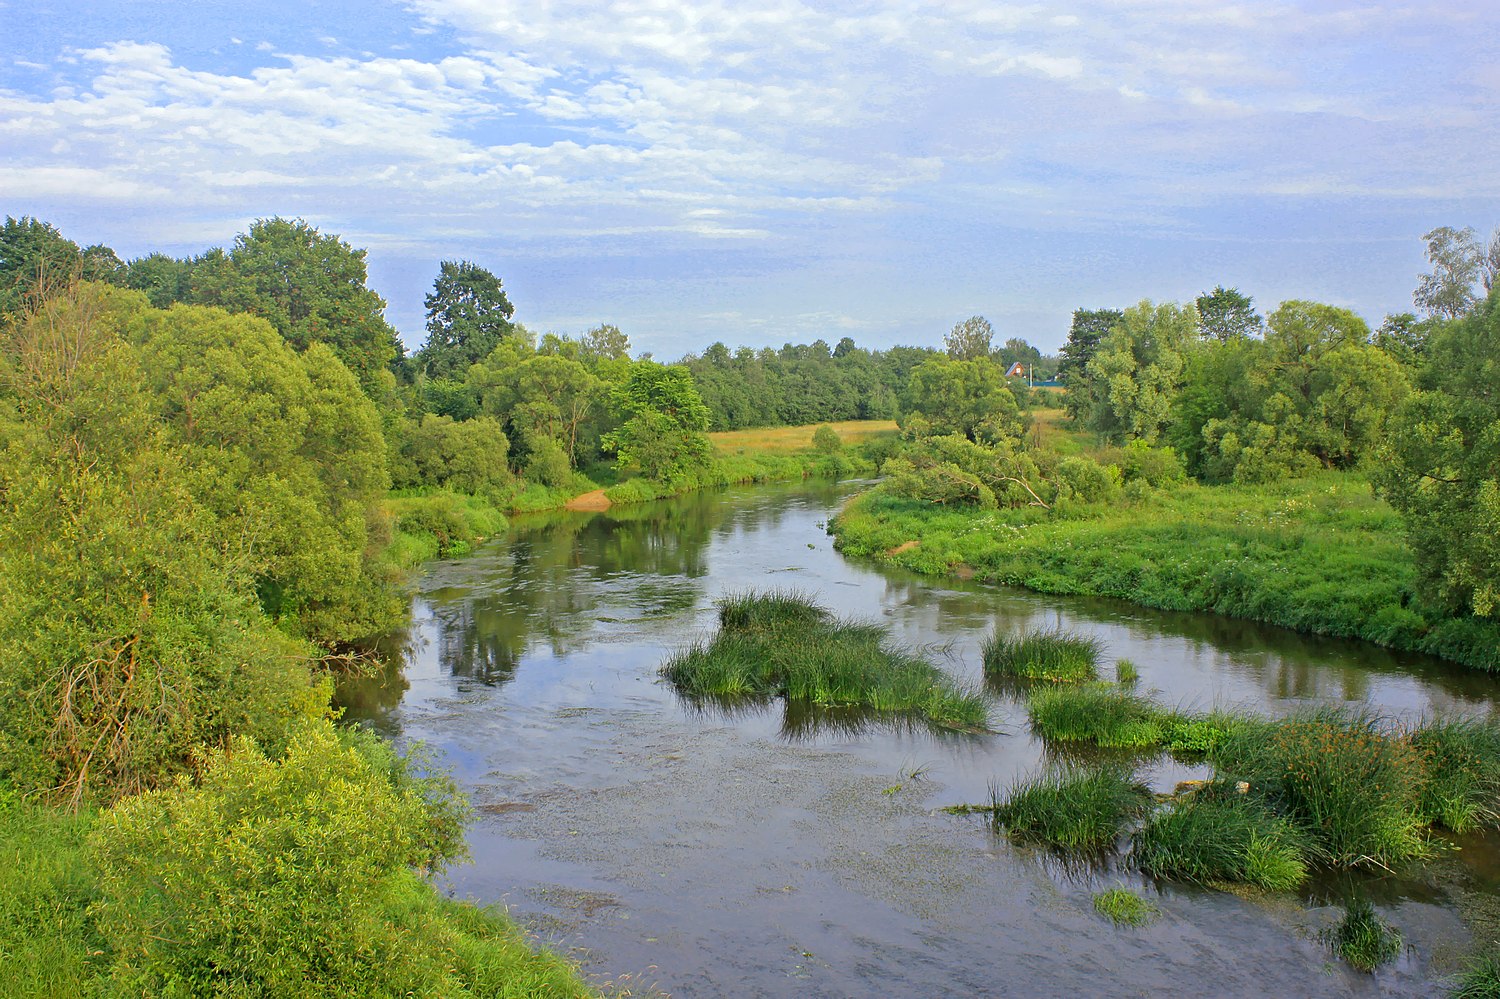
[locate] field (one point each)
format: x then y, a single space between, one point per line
781 440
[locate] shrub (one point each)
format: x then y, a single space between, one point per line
1102 714
1035 654
1202 734
1218 834
276 877
1086 480
1072 808
825 439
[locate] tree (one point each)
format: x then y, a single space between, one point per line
1442 464
1458 262
309 286
1089 327
1225 314
606 342
963 397
468 314
33 251
970 339
665 419
1136 371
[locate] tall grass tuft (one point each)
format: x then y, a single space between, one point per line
1124 907
1480 978
1102 714
1463 772
783 644
1364 939
1072 808
1057 655
1355 789
1220 835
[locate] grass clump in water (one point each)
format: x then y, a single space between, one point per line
1201 734
1363 938
782 643
1124 907
1220 835
1480 978
1355 789
1057 655
1462 756
1076 809
1126 672
1099 713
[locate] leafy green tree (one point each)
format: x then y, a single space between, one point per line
164 279
1137 370
826 440
970 339
1404 337
468 314
1089 327
606 342
1442 464
31 252
665 419
1226 314
126 637
963 397
1458 263
309 286
468 456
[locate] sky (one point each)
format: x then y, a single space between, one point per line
764 172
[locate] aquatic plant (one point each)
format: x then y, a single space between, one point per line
782 643
1352 787
1124 907
1218 834
1037 654
1480 978
1072 808
1100 713
1126 672
1200 734
1364 939
1462 757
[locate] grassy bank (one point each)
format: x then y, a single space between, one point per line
1319 554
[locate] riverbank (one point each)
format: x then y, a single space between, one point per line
1320 555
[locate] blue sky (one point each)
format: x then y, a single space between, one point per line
763 172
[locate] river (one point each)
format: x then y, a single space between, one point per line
763 852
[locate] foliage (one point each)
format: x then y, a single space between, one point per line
1098 713
1458 262
1074 809
970 340
1226 314
1441 468
967 397
827 440
1129 384
955 470
468 455
1364 939
1088 328
468 314
1462 757
663 432
1217 834
1353 788
1037 654
782 644
126 636
1124 907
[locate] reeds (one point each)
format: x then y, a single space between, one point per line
1364 939
782 643
1124 907
1072 808
1219 834
1057 655
1098 713
1462 757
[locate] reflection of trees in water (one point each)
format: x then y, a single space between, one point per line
371 697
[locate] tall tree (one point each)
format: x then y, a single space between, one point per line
1089 327
973 338
468 314
33 251
1226 314
1458 262
1137 370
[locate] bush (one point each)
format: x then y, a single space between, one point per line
277 877
1102 714
1058 655
826 440
1086 480
1073 809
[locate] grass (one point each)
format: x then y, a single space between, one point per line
1364 939
781 643
1038 654
786 440
1199 735
1075 809
1219 835
1353 787
1320 554
1462 756
1480 978
1126 672
1098 713
1124 907
439 524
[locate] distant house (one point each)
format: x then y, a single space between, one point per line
1017 370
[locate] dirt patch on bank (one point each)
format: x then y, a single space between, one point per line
593 501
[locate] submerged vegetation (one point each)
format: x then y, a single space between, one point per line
1124 907
784 644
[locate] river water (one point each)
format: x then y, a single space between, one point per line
762 852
